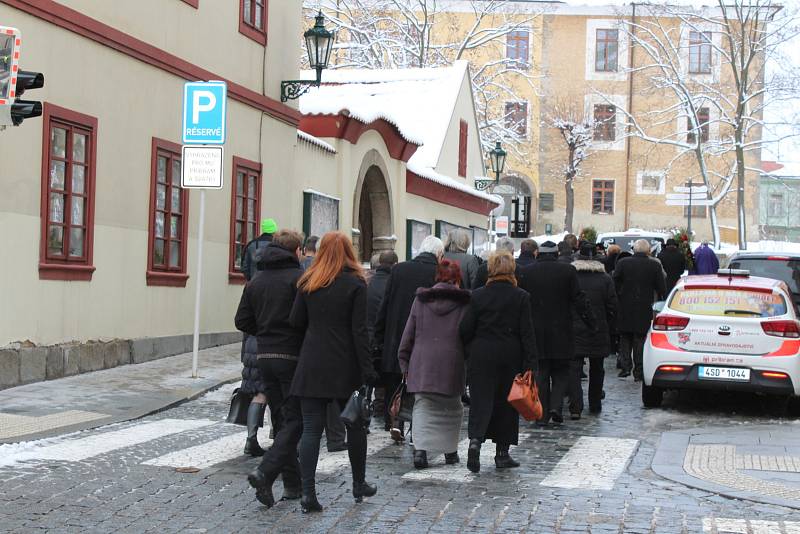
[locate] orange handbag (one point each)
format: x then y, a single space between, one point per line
524 397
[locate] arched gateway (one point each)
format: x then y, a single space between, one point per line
373 208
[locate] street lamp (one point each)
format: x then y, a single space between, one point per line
497 157
319 43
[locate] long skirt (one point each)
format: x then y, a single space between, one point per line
436 422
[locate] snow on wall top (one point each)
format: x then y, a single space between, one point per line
418 102
307 137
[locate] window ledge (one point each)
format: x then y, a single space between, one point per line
65 271
236 278
256 35
166 279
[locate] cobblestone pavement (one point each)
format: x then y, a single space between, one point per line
181 470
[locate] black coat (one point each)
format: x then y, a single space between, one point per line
267 300
252 383
610 262
674 263
498 333
252 254
401 288
525 259
555 295
639 279
599 289
375 290
334 359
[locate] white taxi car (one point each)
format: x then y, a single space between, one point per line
725 332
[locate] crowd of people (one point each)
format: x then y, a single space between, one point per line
449 327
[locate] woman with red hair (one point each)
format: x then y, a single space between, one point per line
331 306
432 358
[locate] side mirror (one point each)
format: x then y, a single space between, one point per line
658 307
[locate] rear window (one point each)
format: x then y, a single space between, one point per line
626 243
785 270
728 302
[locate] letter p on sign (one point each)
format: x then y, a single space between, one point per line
204 113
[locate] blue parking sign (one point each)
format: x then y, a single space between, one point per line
204 105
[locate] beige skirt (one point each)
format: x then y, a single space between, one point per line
436 425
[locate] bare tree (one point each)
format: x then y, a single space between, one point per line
709 64
389 34
577 132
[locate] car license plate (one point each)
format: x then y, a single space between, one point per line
724 373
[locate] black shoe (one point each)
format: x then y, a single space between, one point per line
362 489
420 459
474 455
603 394
575 416
263 487
465 399
594 410
451 458
556 417
252 448
503 460
337 447
309 503
624 374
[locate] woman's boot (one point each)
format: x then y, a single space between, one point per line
263 486
474 455
451 458
502 459
255 415
362 489
309 502
420 459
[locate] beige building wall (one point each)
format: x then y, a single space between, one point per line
134 102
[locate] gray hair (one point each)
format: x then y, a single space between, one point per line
458 240
641 246
433 245
505 243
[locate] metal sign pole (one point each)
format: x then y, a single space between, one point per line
689 225
196 336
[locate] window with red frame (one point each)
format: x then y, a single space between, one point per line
517 45
68 194
517 117
606 48
603 196
253 19
605 122
702 125
245 209
699 52
462 148
168 217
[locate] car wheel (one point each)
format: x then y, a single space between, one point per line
652 396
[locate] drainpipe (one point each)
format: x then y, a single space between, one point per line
630 111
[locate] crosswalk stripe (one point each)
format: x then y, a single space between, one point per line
207 454
722 525
439 471
81 448
592 463
330 462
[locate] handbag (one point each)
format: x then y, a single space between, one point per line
524 397
402 406
240 403
358 410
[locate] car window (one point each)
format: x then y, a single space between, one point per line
626 243
728 302
786 270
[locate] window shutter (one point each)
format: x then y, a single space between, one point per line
462 149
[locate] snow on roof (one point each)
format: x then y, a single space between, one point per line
307 137
418 102
787 169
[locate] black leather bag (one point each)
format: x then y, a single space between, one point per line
240 403
358 410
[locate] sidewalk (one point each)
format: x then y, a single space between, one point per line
759 463
80 402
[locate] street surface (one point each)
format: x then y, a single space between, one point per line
594 475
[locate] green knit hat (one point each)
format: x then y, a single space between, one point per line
268 226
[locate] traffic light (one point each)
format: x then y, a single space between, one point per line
14 82
26 109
